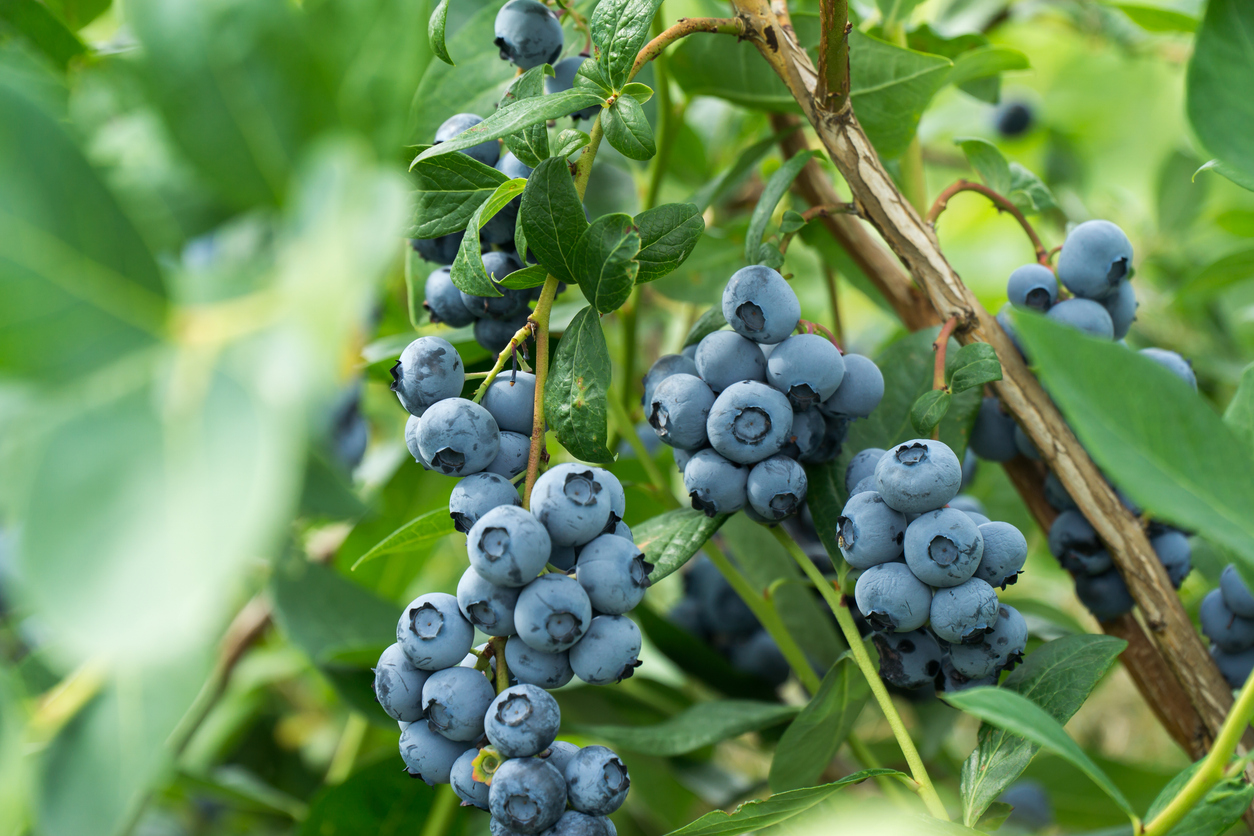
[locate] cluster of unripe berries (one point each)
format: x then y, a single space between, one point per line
746 408
550 587
928 570
1227 616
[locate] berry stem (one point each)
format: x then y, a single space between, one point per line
502 669
618 415
941 346
927 791
520 336
1002 203
681 29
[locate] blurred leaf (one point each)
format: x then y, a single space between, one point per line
709 322
669 540
1239 416
1150 432
806 618
776 187
1242 178
1058 677
974 365
380 799
813 738
569 141
994 817
32 21
929 410
1157 18
986 62
324 613
514 117
619 29
578 384
468 272
552 216
531 145
417 532
698 659
450 189
895 11
779 808
1220 275
1179 197
693 728
668 235
1219 111
627 130
729 69
328 490
1029 192
604 261
435 32
16 793
988 162
746 161
1215 814
78 13
890 88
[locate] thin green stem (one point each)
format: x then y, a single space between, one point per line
346 751
539 320
683 28
927 791
520 336
502 669
440 818
627 430
583 167
1213 766
866 758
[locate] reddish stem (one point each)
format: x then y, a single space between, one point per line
1003 204
940 347
811 327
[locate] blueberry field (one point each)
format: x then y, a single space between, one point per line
626 417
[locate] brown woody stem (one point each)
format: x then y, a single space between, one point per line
940 346
1002 203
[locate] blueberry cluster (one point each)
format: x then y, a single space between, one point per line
928 570
1227 616
746 408
550 587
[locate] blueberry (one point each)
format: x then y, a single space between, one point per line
1005 552
968 505
564 557
444 301
522 721
609 652
1094 259
398 685
1105 595
596 781
427 754
1229 631
776 487
919 475
429 370
536 667
1007 325
454 701
573 823
553 613
1032 810
716 485
485 152
682 457
486 605
508 546
861 466
964 613
527 795
892 599
688 616
511 459
563 78
760 305
1175 553
1236 594
908 660
749 422
943 548
433 632
559 755
679 409
993 434
1056 495
511 400
440 250
870 532
861 389
1012 119
462 777
613 489
512 167
1235 667
412 425
572 503
1121 305
724 358
477 494
458 437
1174 363
970 466
760 656
666 365
510 304
495 334
1084 315
614 574
805 444
1076 546
725 611
1001 649
950 681
807 368
1033 286
527 34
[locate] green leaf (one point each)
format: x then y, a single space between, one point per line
604 261
589 76
753 816
78 13
747 160
36 24
1220 275
1239 416
697 659
1028 191
531 144
813 738
640 92
578 385
569 141
1058 677
729 69
994 817
709 322
530 276
890 88
450 189
379 799
692 728
669 540
1149 432
435 32
896 11
929 410
552 217
1215 814
772 193
974 365
1242 178
619 29
325 614
1157 18
1219 110
987 161
792 221
668 235
627 130
513 118
467 272
413 534
986 62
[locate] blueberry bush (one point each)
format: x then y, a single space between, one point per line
656 417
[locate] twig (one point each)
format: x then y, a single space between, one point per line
940 345
1002 203
520 336
683 28
540 322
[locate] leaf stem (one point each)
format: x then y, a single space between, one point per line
520 336
628 431
539 321
1002 203
927 791
681 29
502 669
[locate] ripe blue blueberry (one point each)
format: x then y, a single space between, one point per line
553 613
1074 542
807 368
860 391
563 558
1013 119
511 400
428 754
870 532
724 358
725 612
1105 595
573 823
613 490
682 457
970 466
861 466
1084 315
563 78
964 613
462 777
572 503
919 475
614 574
1007 325
536 667
716 485
1094 259
596 781
495 334
476 495
458 437
1235 593
993 435
522 721
776 487
1033 811
1236 667
749 422
527 34
440 250
527 795
1001 649
760 656
486 605
666 365
759 304
1174 552
943 547
398 685
1056 495
511 458
892 599
412 424
1229 631
560 754
429 370
679 409
444 301
950 681
1005 552
1121 305
908 660
1032 286
485 152
508 546
805 444
609 652
968 505
454 701
1174 363
433 633
511 303
512 167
